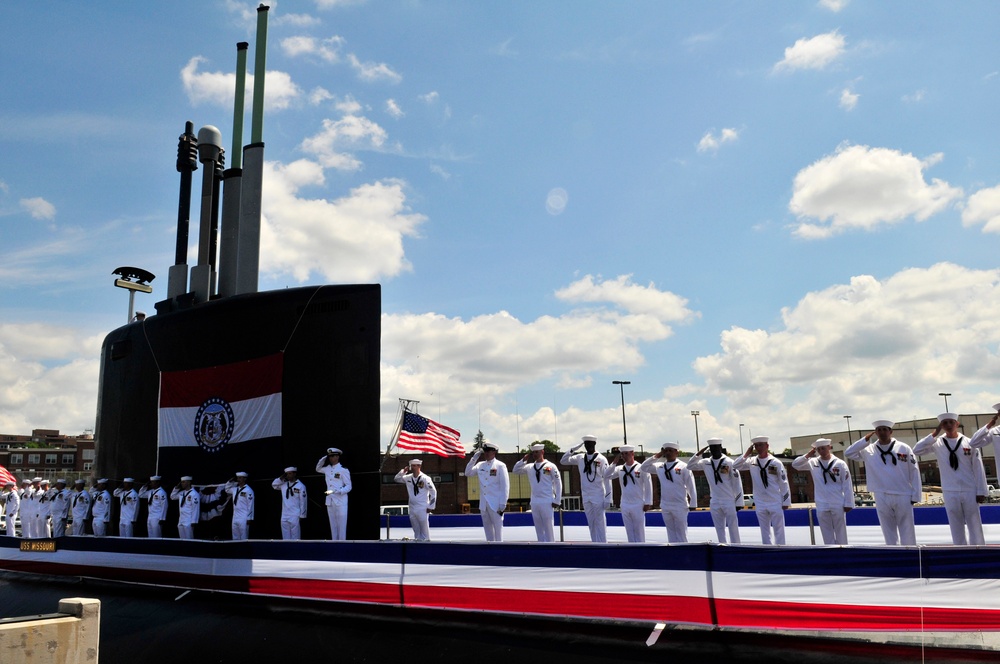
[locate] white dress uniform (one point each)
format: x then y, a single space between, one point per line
727 492
293 507
770 494
43 517
678 495
338 485
546 491
963 477
27 512
81 510
157 512
894 478
421 495
189 504
833 493
637 492
61 502
595 489
494 490
101 512
12 505
128 512
243 508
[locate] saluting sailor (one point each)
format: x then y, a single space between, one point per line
494 488
832 489
546 489
189 504
771 493
338 485
243 506
637 492
62 499
678 494
43 525
421 495
725 486
101 508
293 503
893 477
128 512
157 511
595 488
12 504
27 509
80 507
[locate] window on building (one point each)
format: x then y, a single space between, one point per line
34 459
16 459
88 466
88 455
50 459
68 460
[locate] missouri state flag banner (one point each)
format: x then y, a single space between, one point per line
212 420
420 434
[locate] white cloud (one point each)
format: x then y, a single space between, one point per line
429 98
349 132
348 106
356 239
813 53
629 296
983 207
393 109
712 142
916 97
318 95
833 5
39 208
219 88
297 20
861 187
437 170
373 71
848 99
325 49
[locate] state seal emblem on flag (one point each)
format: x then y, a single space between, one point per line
213 424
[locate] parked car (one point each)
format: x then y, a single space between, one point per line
394 510
748 500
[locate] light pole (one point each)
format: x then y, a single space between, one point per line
854 466
741 439
140 276
621 384
945 395
697 443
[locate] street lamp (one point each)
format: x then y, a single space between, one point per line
697 443
621 384
945 395
854 467
741 439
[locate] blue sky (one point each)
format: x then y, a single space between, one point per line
773 213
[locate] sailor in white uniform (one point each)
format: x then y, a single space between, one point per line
421 495
80 508
771 493
893 477
156 513
678 494
595 488
189 504
243 505
43 518
101 509
62 499
963 478
546 489
494 488
128 512
27 509
832 489
12 504
725 486
636 492
338 485
294 503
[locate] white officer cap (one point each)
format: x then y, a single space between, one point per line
155 478
670 445
490 446
822 442
128 479
589 439
291 469
536 447
627 448
333 450
714 441
759 439
416 462
241 474
883 423
947 416
187 478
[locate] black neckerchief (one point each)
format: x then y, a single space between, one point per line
716 469
826 469
887 453
668 472
588 466
538 472
627 474
952 457
288 490
416 489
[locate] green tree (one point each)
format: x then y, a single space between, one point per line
549 445
480 439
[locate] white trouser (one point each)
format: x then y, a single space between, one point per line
100 527
832 524
419 523
596 521
10 525
676 520
79 526
185 531
895 515
125 528
634 519
492 523
58 527
541 516
290 529
723 517
770 519
338 521
241 530
153 528
963 510
42 527
27 526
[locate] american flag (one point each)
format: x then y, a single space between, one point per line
420 434
6 476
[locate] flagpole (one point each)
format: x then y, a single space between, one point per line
404 408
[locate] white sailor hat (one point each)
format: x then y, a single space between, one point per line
36 479
78 481
947 416
45 482
26 481
291 469
9 483
883 423
537 447
490 446
128 479
996 407
187 478
627 448
103 480
589 439
241 474
670 445
416 462
155 478
333 450
714 441
60 481
822 442
759 439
